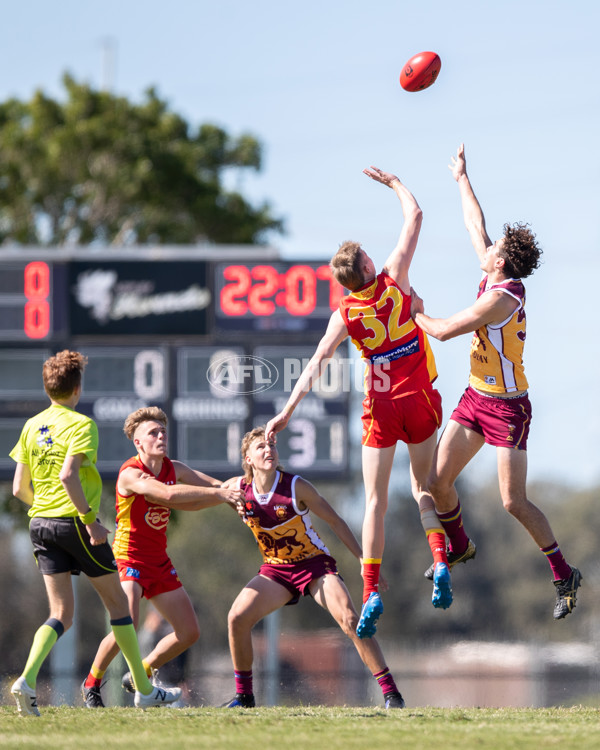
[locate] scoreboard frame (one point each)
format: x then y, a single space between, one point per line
216 337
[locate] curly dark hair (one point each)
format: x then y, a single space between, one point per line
520 251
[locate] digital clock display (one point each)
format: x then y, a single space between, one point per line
277 296
216 338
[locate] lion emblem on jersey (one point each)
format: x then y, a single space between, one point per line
274 545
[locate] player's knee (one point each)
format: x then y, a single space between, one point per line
235 619
514 505
437 485
188 634
194 633
376 504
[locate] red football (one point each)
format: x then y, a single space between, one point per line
420 71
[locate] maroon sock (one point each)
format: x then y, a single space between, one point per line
386 681
243 681
453 526
560 567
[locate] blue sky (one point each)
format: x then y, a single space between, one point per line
317 83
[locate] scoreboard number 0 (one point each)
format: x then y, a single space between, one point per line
149 374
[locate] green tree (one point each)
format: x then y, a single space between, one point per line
98 168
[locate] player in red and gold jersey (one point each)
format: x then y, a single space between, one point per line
149 486
495 408
277 506
400 402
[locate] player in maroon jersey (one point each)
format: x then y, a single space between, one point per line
276 506
495 408
400 402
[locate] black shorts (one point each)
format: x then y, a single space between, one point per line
62 545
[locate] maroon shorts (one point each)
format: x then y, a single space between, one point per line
503 422
297 577
153 578
411 419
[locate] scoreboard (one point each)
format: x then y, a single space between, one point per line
216 338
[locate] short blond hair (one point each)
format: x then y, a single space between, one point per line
145 414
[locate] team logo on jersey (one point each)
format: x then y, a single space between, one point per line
157 518
281 512
44 438
280 546
511 430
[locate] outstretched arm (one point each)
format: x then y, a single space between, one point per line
334 335
490 308
175 496
398 263
186 475
473 215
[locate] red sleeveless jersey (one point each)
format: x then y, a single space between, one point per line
141 533
397 352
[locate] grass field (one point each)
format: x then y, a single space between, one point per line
305 727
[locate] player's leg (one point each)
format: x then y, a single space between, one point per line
110 591
256 600
108 649
59 590
421 458
330 592
457 446
512 479
61 601
178 610
377 467
421 418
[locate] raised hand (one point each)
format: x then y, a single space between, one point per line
386 178
458 165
